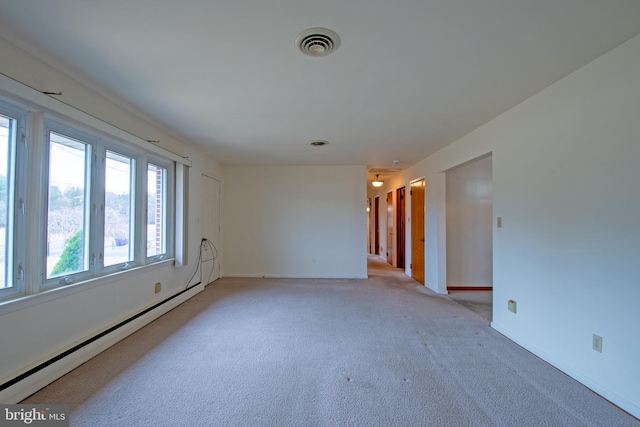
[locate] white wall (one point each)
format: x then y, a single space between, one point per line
294 221
49 323
469 203
565 182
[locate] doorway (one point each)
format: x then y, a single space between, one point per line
417 230
400 227
469 234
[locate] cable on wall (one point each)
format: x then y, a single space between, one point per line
204 243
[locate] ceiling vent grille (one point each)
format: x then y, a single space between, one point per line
317 41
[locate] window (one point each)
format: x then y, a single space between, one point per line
73 209
91 215
119 218
156 210
68 218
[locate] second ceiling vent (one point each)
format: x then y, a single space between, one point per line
317 41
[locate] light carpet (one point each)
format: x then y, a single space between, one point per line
281 352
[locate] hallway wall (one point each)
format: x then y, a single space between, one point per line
565 177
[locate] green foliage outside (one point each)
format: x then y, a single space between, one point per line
71 258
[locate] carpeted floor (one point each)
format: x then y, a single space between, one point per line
282 352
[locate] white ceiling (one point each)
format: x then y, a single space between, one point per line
410 76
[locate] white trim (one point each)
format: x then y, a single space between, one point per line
39 99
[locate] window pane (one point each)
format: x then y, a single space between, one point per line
118 207
7 142
67 218
156 210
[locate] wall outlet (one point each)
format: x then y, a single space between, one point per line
158 287
512 306
597 343
499 222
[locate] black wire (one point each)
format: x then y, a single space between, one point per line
214 251
197 266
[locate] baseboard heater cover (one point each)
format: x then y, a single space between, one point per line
88 341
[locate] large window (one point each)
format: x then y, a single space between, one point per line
78 203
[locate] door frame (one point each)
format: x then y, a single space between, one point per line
389 217
401 218
376 224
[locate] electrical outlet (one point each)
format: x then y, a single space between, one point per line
597 343
499 222
158 287
512 306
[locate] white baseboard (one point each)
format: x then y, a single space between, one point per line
23 389
611 396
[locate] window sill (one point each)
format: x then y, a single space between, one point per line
25 301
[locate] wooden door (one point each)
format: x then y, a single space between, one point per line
390 227
417 230
400 226
376 226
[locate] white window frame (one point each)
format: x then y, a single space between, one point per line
17 199
90 203
169 207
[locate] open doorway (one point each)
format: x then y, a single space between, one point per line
469 234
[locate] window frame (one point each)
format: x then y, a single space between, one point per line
96 198
135 182
17 164
169 207
73 133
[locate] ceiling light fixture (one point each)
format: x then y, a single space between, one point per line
318 143
317 41
377 182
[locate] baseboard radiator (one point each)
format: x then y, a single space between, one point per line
37 377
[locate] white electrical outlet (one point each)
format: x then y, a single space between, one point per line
512 306
597 343
158 287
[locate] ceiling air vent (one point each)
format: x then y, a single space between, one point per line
317 41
